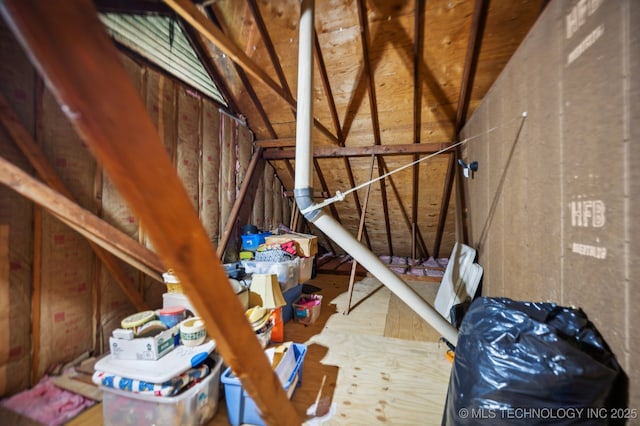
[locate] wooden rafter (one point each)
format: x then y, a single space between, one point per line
240 200
71 49
405 215
417 119
470 64
205 58
85 223
132 6
327 88
189 12
363 216
266 39
373 105
359 151
47 173
215 18
325 188
271 51
336 122
446 196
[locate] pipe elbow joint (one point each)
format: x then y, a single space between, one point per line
304 198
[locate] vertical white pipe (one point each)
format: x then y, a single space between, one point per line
326 223
304 119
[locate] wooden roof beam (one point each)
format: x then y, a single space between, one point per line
245 188
411 227
470 64
417 120
70 48
205 58
336 122
190 13
325 188
327 89
373 105
47 173
215 17
271 50
359 151
266 39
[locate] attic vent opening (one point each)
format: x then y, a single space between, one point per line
161 40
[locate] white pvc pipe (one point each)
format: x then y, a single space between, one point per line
326 223
373 264
304 116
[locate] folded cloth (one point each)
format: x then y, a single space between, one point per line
47 403
169 388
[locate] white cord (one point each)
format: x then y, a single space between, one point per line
340 195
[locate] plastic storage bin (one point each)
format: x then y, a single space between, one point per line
286 271
306 310
193 407
252 241
305 268
240 407
290 296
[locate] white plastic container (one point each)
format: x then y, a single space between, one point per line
193 407
286 271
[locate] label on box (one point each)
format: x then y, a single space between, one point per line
145 348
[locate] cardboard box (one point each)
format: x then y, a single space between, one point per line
307 245
145 348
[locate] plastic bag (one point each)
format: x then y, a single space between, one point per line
532 363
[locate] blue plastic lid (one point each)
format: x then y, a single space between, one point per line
198 359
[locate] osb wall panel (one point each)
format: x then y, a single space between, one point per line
5 306
593 184
559 197
17 78
67 262
631 135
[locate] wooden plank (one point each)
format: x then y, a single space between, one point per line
48 174
325 187
327 88
354 264
352 151
190 13
233 216
404 323
444 203
478 21
5 308
227 169
71 49
81 220
209 65
90 391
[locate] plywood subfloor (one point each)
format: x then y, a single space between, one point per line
383 365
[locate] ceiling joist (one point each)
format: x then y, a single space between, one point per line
70 48
358 151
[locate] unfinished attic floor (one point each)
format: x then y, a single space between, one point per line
383 364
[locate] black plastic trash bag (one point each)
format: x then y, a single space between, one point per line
533 363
